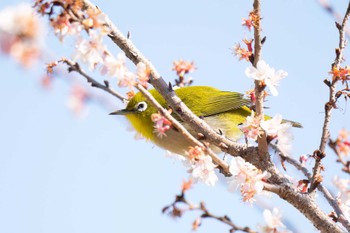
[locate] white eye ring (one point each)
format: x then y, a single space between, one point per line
140 107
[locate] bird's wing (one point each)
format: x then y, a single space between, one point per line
206 101
224 102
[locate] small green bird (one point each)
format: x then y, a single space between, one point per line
224 111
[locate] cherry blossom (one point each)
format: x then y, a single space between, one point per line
343 143
90 51
114 67
251 127
247 178
63 26
267 75
280 132
201 166
77 99
21 34
142 73
162 124
183 67
242 53
273 222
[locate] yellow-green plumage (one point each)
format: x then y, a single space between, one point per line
222 110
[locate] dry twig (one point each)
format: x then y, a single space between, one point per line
316 177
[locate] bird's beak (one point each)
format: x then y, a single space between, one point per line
121 112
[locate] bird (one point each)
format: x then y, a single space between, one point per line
224 111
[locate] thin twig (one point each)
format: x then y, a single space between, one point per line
175 211
73 66
316 177
330 10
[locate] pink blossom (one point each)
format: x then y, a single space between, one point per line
280 132
77 99
63 26
303 159
273 221
343 143
267 75
21 34
247 178
201 166
114 67
161 124
90 51
251 127
142 73
127 80
183 67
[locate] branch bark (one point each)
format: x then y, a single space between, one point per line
259 88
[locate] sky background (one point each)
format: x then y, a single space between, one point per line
62 173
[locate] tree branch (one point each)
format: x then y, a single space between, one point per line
175 211
330 10
329 197
259 88
303 203
73 66
316 177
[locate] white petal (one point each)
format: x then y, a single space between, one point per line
251 72
272 88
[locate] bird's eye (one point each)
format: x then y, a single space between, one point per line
140 107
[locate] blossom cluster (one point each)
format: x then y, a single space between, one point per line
183 68
341 73
252 21
200 166
21 34
342 143
247 178
243 53
72 19
267 75
161 124
273 221
277 131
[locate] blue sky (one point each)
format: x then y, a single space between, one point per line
60 173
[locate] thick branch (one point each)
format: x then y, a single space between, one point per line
304 204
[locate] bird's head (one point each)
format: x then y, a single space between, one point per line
139 111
